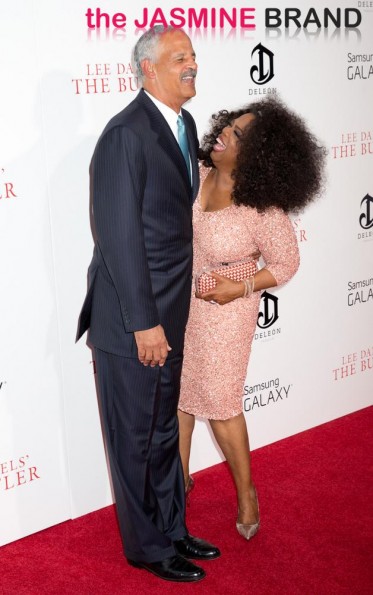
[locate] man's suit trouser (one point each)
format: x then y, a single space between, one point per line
139 417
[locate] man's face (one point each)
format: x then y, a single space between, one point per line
175 69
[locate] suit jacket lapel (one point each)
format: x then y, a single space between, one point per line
166 138
193 159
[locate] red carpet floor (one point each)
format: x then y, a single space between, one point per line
316 536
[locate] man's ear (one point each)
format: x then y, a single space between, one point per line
148 69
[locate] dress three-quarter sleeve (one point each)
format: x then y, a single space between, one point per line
278 244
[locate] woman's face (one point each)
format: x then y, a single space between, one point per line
226 147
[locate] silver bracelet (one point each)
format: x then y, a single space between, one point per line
249 284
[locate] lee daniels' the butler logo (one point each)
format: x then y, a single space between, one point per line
353 143
268 315
262 71
101 78
354 363
6 187
17 472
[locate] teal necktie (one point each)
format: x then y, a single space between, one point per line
183 141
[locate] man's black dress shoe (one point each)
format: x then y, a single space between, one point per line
196 549
175 569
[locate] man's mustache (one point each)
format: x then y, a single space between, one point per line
189 72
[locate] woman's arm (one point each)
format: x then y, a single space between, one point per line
276 240
227 290
278 244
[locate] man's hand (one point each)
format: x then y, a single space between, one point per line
152 346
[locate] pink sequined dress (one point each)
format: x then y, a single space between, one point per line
218 338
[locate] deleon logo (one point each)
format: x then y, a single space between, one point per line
366 219
268 313
262 71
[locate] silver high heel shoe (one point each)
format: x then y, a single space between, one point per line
249 530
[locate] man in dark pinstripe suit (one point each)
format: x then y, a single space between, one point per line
143 185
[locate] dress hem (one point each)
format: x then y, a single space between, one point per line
213 418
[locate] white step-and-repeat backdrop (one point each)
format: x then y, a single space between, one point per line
65 70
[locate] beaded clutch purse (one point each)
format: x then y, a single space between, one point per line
237 270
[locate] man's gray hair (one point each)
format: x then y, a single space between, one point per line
146 48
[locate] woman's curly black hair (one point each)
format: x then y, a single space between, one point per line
280 163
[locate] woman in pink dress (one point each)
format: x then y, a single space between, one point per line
259 163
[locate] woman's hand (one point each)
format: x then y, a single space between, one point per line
225 291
